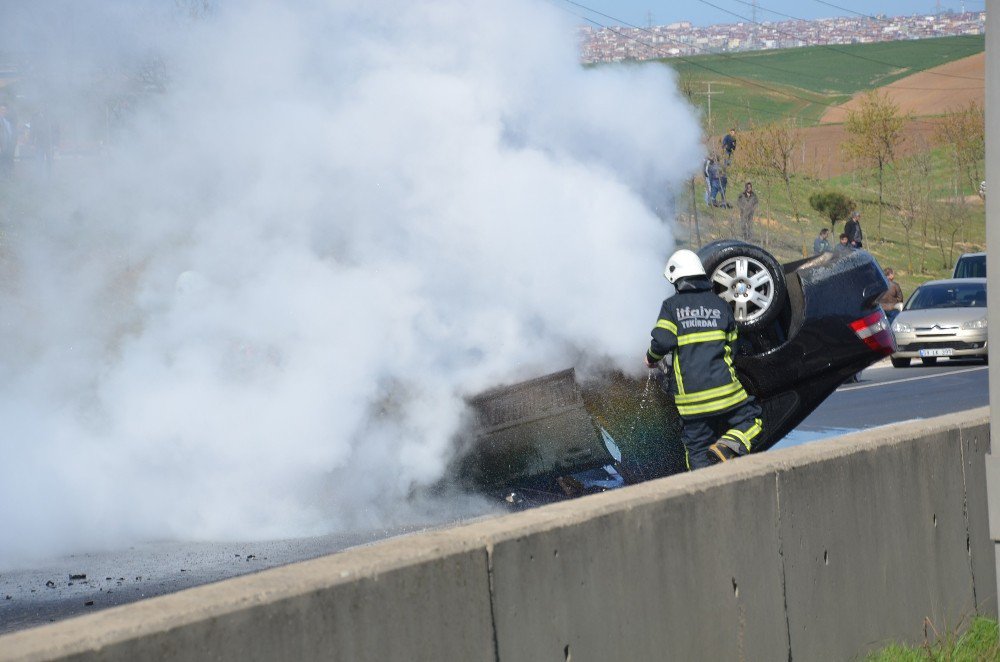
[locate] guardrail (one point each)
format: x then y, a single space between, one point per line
822 551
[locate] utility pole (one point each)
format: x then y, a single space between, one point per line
753 27
649 19
708 93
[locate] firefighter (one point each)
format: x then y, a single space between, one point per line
697 329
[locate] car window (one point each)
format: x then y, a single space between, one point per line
971 266
972 295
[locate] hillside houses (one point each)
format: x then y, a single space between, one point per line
618 44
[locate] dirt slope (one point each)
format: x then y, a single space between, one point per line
932 92
820 155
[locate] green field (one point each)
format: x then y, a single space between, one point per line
762 86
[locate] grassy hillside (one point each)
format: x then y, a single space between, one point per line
936 238
802 82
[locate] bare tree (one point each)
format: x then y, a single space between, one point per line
963 132
874 134
751 165
775 154
947 219
686 84
913 190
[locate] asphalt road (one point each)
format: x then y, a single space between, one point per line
885 395
56 589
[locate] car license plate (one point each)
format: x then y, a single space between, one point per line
946 351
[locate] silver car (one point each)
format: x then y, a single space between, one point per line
943 318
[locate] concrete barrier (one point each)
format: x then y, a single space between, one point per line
823 551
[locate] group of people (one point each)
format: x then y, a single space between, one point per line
717 182
851 238
715 172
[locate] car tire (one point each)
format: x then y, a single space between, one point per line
930 360
900 363
748 278
986 359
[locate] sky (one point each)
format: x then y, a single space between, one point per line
702 12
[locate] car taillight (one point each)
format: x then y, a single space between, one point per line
874 331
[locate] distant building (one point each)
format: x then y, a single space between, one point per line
681 38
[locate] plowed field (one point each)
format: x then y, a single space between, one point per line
932 92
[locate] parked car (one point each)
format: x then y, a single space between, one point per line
805 328
942 318
970 265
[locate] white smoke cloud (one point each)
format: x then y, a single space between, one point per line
259 314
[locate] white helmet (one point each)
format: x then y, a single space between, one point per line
683 263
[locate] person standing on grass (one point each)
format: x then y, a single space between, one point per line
747 203
708 178
844 246
729 144
714 182
853 229
822 243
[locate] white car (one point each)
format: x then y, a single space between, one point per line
970 265
942 318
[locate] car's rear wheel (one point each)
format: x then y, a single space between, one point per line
748 278
930 360
900 363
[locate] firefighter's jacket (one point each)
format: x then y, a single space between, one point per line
698 327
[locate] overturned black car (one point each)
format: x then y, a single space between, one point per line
805 327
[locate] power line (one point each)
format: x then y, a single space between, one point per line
832 48
754 5
852 11
693 63
700 65
676 42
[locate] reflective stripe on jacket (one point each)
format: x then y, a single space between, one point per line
698 328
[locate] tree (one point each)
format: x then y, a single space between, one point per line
947 220
874 133
768 151
686 85
833 204
963 132
914 194
750 165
